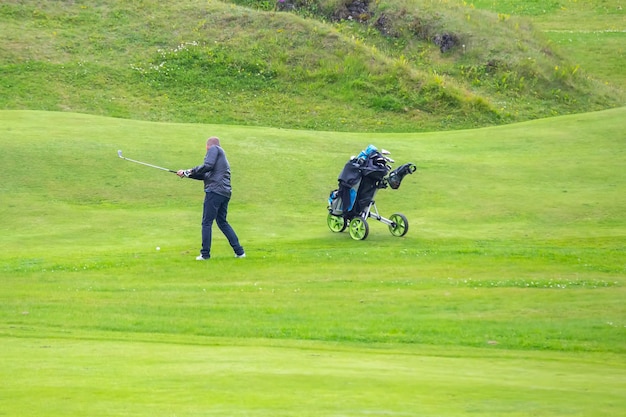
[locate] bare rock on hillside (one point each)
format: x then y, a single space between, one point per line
446 41
357 10
383 24
285 5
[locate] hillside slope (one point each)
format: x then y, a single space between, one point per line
217 62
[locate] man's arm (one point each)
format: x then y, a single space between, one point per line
197 173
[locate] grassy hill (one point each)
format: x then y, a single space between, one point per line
314 67
505 297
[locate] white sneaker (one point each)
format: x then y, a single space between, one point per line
243 255
201 258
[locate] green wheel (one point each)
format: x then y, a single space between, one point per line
400 225
358 228
336 223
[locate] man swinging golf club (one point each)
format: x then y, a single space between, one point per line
215 172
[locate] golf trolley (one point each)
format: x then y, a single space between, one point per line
352 203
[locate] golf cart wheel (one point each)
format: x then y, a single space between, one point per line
358 228
336 223
400 224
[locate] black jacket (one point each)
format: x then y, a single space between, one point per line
214 171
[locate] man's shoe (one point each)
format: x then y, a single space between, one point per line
201 258
243 255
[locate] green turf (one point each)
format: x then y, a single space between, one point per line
124 378
504 298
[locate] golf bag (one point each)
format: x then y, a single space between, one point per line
352 202
358 181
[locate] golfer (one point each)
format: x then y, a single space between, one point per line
215 172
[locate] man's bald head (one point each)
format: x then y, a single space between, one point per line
212 141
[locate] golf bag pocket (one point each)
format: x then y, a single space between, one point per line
335 203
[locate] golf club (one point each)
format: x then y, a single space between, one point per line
384 153
119 153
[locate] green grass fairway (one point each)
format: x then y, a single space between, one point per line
505 298
203 378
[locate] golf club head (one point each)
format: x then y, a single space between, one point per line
119 153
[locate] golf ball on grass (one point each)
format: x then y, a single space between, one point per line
158 248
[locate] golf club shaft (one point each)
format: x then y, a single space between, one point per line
119 153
